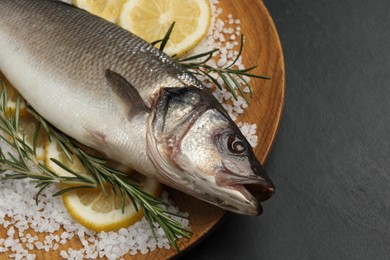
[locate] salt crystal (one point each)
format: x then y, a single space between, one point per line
222 62
94 255
31 257
16 247
64 235
102 254
103 235
39 245
30 246
8 242
123 232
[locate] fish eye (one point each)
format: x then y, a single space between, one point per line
235 144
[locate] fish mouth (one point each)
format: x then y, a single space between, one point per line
255 188
260 191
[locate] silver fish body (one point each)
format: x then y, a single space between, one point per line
114 92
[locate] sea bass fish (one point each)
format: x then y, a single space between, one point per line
118 94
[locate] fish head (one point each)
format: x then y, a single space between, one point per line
199 150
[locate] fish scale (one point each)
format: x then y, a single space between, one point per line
110 90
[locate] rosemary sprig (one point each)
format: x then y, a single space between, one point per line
233 78
24 165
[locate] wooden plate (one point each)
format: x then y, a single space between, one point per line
262 48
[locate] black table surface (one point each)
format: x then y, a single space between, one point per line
331 158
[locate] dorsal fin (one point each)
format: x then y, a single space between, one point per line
126 91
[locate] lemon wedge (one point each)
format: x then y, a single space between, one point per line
107 9
12 95
151 19
94 208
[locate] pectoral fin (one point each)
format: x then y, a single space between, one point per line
127 92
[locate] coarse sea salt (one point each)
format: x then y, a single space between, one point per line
22 219
40 220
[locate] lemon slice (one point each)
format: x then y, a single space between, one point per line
107 9
150 19
94 208
101 211
12 95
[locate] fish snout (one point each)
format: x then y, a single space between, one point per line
263 188
253 183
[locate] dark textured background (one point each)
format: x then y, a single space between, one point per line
331 159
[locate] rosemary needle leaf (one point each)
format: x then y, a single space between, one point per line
17 113
65 190
42 183
208 54
255 76
13 158
123 194
91 158
39 177
67 153
39 192
47 171
15 176
246 84
65 167
148 217
133 201
214 80
238 71
239 87
35 137
166 37
239 52
4 97
228 84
